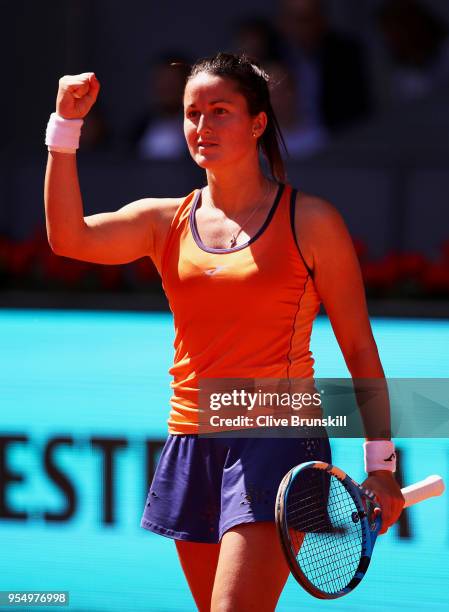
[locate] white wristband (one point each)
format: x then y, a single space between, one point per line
379 455
63 133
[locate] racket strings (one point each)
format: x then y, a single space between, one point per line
325 530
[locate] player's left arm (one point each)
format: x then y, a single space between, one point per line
329 252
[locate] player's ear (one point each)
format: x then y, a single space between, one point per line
259 124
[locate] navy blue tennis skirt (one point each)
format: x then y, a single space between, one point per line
204 486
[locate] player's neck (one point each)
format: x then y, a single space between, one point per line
234 190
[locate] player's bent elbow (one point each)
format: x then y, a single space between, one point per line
54 245
63 248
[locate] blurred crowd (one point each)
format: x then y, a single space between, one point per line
322 84
322 79
31 265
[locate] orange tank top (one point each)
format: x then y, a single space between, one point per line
242 312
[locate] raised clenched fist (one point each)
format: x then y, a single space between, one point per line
76 95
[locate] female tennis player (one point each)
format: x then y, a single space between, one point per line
245 262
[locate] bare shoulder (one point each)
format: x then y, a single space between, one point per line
157 208
313 210
319 227
158 214
317 220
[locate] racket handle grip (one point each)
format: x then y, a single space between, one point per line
419 491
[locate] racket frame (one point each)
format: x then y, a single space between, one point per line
370 526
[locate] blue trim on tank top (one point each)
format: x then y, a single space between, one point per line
203 247
293 228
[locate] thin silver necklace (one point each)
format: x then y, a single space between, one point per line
235 235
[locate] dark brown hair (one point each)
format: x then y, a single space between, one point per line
252 83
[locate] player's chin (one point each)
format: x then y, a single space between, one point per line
207 160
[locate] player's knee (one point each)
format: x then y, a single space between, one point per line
220 604
239 603
225 604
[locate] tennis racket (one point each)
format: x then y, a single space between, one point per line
327 525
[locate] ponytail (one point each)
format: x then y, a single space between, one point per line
270 142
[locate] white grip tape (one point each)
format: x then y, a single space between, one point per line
63 133
432 486
379 455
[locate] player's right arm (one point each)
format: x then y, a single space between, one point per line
134 231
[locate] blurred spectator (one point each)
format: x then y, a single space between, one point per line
258 38
159 132
301 138
329 67
418 46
